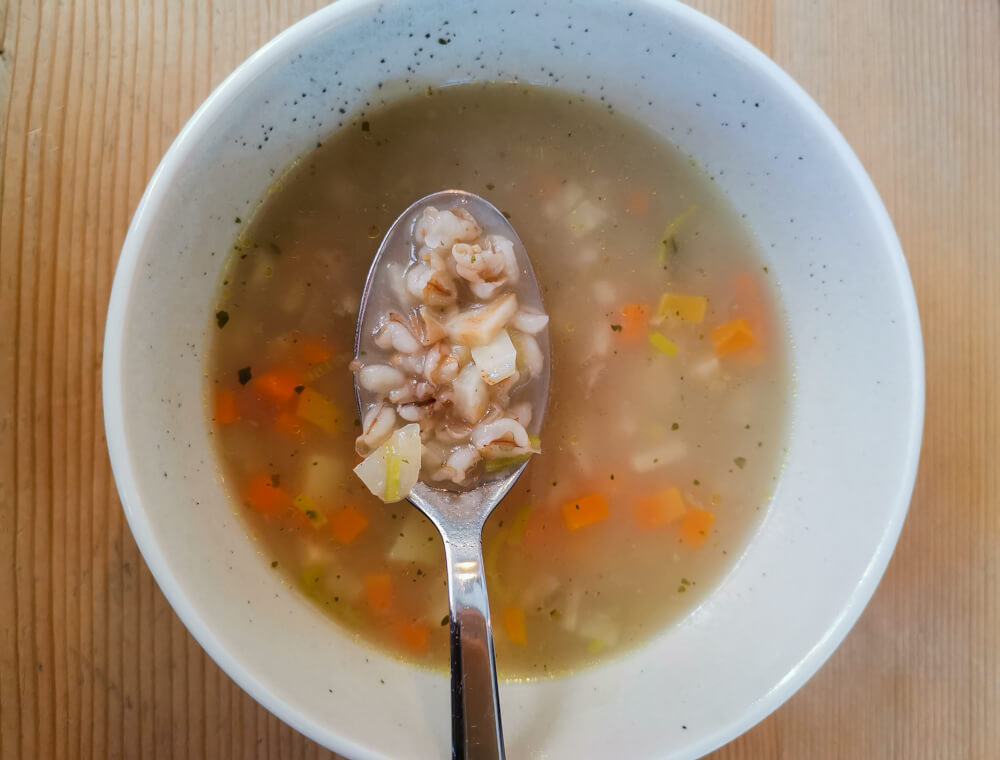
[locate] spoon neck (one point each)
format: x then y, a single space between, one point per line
476 728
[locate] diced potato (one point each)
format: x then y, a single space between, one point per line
323 474
539 591
417 541
598 626
586 217
471 396
314 407
658 456
391 471
570 195
529 358
497 360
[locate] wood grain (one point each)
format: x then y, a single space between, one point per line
94 664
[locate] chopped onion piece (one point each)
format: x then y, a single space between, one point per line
470 394
530 322
497 360
391 471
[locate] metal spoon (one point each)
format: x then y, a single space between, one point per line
459 515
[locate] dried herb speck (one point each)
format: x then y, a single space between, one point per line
740 462
244 375
221 318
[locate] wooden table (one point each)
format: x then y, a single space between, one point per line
93 662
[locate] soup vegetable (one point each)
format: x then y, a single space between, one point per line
666 422
456 356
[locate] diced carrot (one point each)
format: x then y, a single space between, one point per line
635 317
732 337
288 424
314 351
278 385
684 307
347 524
314 407
513 623
264 495
656 509
224 410
638 203
697 523
378 591
585 511
412 635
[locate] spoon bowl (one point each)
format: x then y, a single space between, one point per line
459 515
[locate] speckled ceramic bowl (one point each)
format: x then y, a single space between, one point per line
856 352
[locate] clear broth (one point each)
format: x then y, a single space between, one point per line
590 193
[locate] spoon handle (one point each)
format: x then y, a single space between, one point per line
475 701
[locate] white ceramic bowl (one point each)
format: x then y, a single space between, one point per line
856 352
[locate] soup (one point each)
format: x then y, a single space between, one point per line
665 427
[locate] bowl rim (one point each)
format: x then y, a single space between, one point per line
159 186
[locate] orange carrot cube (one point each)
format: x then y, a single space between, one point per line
378 591
347 524
696 526
659 508
585 511
732 337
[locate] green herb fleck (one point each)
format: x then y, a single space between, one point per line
444 620
675 426
490 186
238 220
299 388
221 318
740 462
616 328
365 126
274 564
244 375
